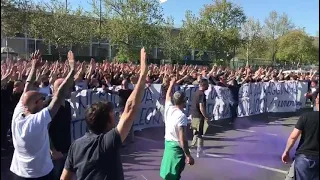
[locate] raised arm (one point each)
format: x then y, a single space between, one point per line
134 100
32 74
168 94
64 88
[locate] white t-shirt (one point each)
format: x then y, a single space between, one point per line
45 90
31 157
174 118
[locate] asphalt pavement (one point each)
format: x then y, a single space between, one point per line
249 149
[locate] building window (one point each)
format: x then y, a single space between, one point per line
102 51
18 45
37 45
160 54
79 50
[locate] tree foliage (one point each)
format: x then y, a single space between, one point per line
173 44
59 26
14 16
131 24
297 46
216 29
276 26
251 35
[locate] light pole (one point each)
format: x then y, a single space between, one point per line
100 22
66 5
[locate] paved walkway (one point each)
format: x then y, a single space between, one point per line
250 149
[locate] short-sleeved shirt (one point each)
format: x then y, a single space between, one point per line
123 96
31 157
308 124
60 127
197 98
96 156
174 118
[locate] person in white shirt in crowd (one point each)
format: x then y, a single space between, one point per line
176 152
45 87
30 120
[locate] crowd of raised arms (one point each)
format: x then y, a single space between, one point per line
34 104
107 74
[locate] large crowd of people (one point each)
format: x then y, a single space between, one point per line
37 115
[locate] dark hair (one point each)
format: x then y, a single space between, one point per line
179 100
98 116
204 82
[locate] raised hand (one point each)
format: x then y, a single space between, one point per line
71 60
36 58
173 81
143 62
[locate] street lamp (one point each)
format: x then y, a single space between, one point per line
100 22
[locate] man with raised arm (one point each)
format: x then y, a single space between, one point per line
30 120
176 151
96 155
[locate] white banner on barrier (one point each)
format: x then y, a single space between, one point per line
254 98
302 88
281 96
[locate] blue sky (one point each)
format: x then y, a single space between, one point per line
303 13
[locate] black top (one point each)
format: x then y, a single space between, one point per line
9 100
308 123
124 95
96 157
197 98
59 128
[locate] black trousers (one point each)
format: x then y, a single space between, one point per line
50 176
234 109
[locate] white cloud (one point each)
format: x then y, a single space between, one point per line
162 1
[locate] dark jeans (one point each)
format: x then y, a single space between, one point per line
58 166
306 167
50 176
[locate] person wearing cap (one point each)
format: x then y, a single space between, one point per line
176 152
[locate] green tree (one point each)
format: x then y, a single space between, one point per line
251 32
297 46
61 27
173 43
216 29
14 16
276 26
131 24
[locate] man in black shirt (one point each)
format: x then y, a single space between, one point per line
199 115
123 93
306 163
11 92
59 132
96 155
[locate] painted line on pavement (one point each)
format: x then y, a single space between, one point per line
144 177
247 163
